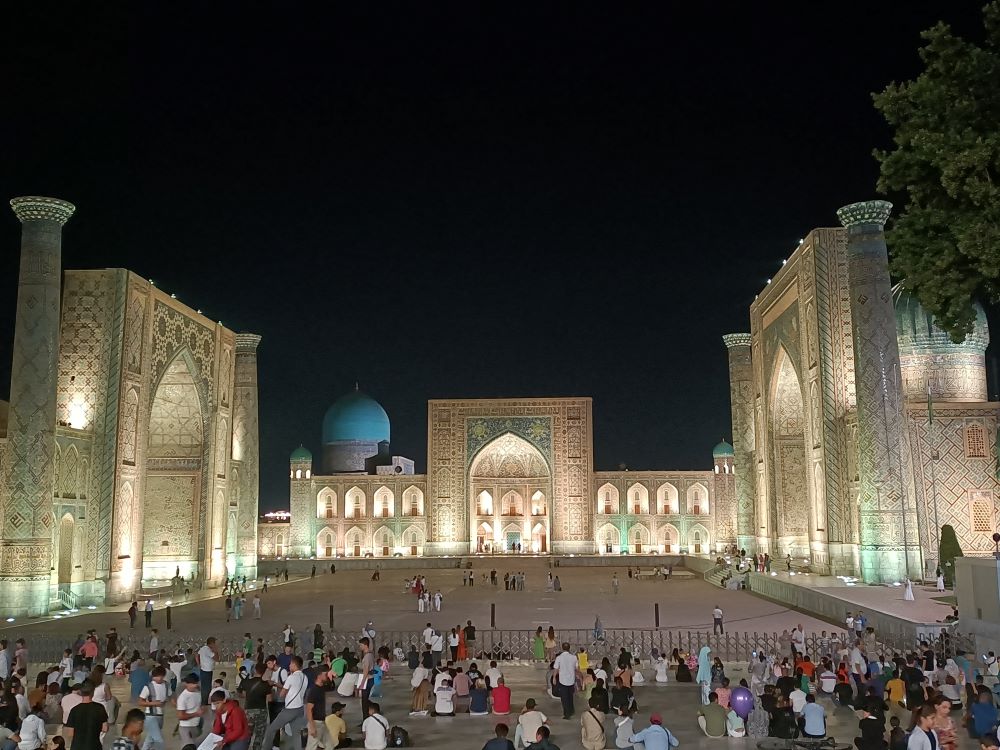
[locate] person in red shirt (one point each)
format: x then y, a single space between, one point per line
807 667
89 651
501 698
230 723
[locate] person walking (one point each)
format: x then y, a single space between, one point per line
230 722
568 670
133 612
717 620
256 606
152 699
189 709
86 723
148 612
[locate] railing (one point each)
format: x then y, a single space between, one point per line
67 598
502 645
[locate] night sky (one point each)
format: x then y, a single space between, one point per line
442 202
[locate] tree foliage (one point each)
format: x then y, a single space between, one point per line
946 162
947 552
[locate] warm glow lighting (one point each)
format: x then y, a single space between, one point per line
77 416
10 619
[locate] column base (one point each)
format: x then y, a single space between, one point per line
122 587
24 598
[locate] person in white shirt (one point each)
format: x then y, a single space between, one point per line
437 647
154 644
568 669
799 639
23 708
206 657
189 710
4 661
152 699
32 732
444 699
70 700
428 635
420 674
444 673
798 699
375 728
294 693
494 675
66 668
923 736
717 620
528 723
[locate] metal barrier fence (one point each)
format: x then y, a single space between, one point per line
503 645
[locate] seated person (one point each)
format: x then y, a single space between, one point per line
501 698
444 699
712 718
500 742
813 719
479 701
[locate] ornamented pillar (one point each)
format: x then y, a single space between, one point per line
890 542
246 451
26 510
741 401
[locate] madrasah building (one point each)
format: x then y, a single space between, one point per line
838 458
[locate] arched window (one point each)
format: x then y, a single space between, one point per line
484 504
298 473
279 545
607 499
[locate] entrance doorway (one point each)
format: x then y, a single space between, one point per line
67 527
513 540
539 539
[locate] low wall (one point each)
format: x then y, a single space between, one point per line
977 588
819 603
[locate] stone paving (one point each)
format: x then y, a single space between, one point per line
685 604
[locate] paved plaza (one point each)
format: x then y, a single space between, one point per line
685 604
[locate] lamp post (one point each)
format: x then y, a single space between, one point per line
996 546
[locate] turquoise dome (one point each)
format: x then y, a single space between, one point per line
356 416
917 333
722 449
301 454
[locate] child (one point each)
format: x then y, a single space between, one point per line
58 743
897 737
220 684
583 659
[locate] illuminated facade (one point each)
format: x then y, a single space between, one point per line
838 459
129 447
503 474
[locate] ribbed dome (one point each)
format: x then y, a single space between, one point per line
918 334
722 449
301 454
356 416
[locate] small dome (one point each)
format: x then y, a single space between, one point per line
356 416
722 449
918 334
301 454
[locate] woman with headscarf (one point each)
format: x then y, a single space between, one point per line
704 676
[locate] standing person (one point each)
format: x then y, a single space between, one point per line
230 722
206 657
148 613
154 643
939 574
470 638
189 709
366 674
923 736
293 692
568 671
152 699
453 641
438 598
256 693
316 713
717 620
86 722
229 606
704 676
131 734
256 606
133 612
614 583
908 593
21 655
437 647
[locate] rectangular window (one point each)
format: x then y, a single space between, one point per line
981 509
975 440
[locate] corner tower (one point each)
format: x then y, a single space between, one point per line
890 541
26 508
246 452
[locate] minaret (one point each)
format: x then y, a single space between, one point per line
26 512
246 450
741 402
888 519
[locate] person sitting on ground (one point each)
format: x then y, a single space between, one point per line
735 726
528 723
500 742
621 696
897 737
420 699
336 727
462 686
813 719
724 692
592 727
655 734
712 718
479 701
624 726
600 693
501 698
542 741
375 728
444 699
493 676
982 716
783 724
871 728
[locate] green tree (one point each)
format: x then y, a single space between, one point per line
947 553
945 242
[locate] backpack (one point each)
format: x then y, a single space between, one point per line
399 737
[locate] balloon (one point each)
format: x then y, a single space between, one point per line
741 701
